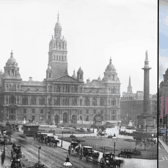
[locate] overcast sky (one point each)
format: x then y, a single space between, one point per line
163 38
95 30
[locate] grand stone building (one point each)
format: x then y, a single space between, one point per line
60 98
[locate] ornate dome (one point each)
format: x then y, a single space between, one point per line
110 67
11 61
58 25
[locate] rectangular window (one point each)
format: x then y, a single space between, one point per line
94 111
33 117
33 110
24 110
41 111
87 111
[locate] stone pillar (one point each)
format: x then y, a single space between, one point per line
146 102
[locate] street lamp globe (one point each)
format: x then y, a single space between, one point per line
67 162
114 139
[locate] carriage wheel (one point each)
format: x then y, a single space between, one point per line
86 158
80 157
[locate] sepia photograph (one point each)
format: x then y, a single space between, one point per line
78 83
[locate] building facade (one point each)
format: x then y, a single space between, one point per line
60 98
132 104
163 92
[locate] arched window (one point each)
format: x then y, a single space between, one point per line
25 100
56 101
41 101
81 102
113 102
87 101
33 100
87 118
12 87
102 102
72 89
94 101
49 101
12 100
74 101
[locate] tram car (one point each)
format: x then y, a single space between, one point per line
74 147
30 130
108 161
89 154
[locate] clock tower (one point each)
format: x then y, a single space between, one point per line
57 55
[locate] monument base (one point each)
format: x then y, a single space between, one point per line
147 123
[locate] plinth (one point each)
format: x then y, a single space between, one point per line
147 123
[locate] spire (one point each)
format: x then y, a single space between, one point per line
58 17
146 55
11 54
129 81
110 60
129 88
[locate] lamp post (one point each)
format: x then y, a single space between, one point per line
67 162
39 154
3 154
62 136
114 139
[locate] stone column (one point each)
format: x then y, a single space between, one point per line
146 86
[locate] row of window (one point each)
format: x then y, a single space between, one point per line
64 88
60 101
59 58
86 118
12 86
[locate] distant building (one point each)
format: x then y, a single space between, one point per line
132 104
60 98
163 91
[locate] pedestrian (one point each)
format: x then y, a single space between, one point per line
2 157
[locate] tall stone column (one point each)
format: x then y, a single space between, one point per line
146 102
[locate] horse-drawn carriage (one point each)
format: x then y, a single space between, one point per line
47 138
51 140
108 161
74 147
16 155
125 153
89 154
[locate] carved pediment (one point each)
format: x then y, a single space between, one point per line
67 79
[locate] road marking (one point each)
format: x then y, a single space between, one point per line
159 147
163 158
166 158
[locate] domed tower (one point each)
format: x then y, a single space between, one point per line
11 70
80 75
57 59
110 74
